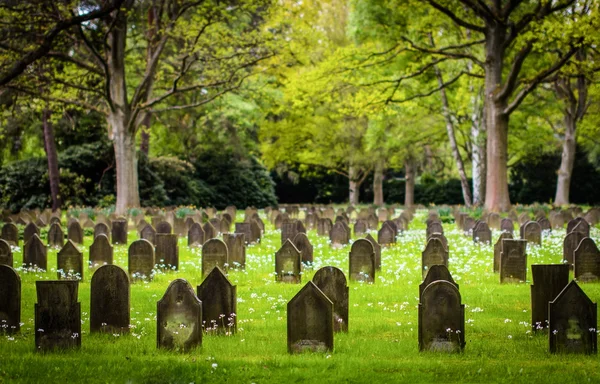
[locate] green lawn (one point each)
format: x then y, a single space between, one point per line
381 345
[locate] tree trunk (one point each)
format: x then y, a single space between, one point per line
409 187
52 155
478 161
354 186
127 170
378 184
145 134
565 171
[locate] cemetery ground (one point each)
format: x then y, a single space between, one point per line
380 346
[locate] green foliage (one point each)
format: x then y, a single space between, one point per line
22 186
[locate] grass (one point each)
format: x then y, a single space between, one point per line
381 345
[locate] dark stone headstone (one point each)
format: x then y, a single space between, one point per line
548 281
572 322
310 321
288 230
35 254
386 235
236 249
482 233
10 299
101 252
179 318
179 227
166 252
545 224
6 256
300 227
10 234
580 225
362 261
570 244
195 235
360 227
30 230
219 303
255 231
586 261
494 221
324 226
69 263
56 237
332 282
435 273
119 231
441 318
210 232
498 249
245 229
57 315
532 232
376 249
148 233
338 235
141 260
433 254
164 227
214 254
513 261
75 232
434 227
288 260
109 305
506 225
372 221
304 246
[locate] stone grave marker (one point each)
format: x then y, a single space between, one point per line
386 235
214 254
236 249
435 273
498 249
441 237
304 246
545 224
523 218
468 225
433 254
155 220
216 223
506 225
310 321
179 226
372 221
30 230
35 254
141 260
179 318
56 237
69 263
360 227
119 231
75 232
573 322
10 234
513 261
246 230
255 232
570 244
482 233
494 220
109 300
324 226
210 232
148 233
300 227
548 281
6 256
101 252
579 224
288 260
332 282
219 303
434 227
288 230
10 300
339 236
195 235
532 232
164 227
586 261
166 251
376 249
362 261
441 318
57 315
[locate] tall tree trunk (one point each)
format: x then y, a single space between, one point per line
127 169
145 134
353 186
52 155
566 164
378 184
409 186
478 138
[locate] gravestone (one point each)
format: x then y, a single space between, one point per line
433 254
386 235
75 232
338 235
441 237
523 218
548 281
255 231
109 300
362 261
236 249
300 227
494 220
360 227
434 227
10 234
141 260
179 318
332 282
441 318
288 263
179 227
216 223
30 230
372 221
586 261
246 230
56 237
69 263
570 244
532 232
119 231
164 227
498 249
435 273
210 232
513 261
35 254
545 224
468 225
219 303
6 256
148 233
304 246
482 233
57 315
506 225
324 226
288 230
572 322
195 235
310 321
376 249
101 252
166 253
580 225
10 300
214 254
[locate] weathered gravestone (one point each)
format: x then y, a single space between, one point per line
441 318
586 261
441 237
75 232
236 249
338 235
164 227
141 260
532 232
6 256
433 254
219 303
498 249
332 282
119 231
195 235
216 223
572 322
360 227
362 261
545 224
57 315
310 321
300 227
386 235
210 232
434 227
435 273
10 234
10 300
324 226
69 263
109 301
494 220
148 233
482 233
304 246
101 252
506 225
214 254
288 230
179 318
56 237
35 254
523 218
468 224
376 249
30 230
166 252
548 281
288 261
580 225
179 227
255 231
513 261
570 244
372 221
246 230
